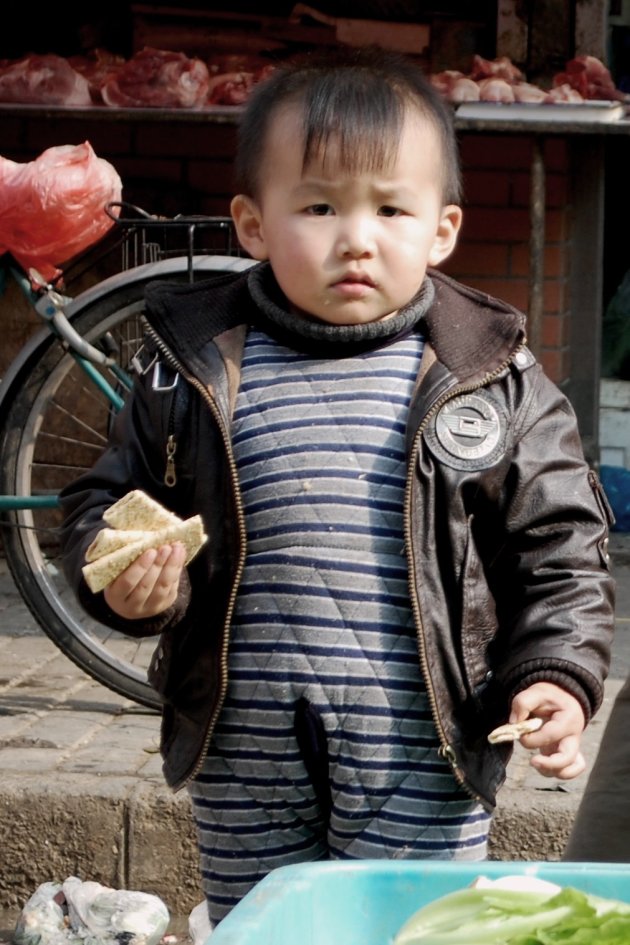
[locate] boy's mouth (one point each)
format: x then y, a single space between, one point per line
354 284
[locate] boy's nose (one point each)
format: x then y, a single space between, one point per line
355 240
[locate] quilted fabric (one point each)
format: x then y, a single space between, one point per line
323 618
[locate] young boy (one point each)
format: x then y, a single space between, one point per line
406 546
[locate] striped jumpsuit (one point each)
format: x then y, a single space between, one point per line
325 747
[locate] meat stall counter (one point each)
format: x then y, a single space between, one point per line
158 90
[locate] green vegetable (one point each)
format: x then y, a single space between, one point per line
490 915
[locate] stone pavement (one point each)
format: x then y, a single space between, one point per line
81 790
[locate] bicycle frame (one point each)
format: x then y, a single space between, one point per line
57 311
57 402
50 306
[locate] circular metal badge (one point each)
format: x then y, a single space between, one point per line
469 432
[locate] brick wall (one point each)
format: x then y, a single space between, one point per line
493 252
185 165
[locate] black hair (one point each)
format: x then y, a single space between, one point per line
355 96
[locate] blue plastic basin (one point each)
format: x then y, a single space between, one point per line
366 902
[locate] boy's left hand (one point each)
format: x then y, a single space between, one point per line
558 740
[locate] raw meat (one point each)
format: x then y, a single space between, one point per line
465 90
43 80
444 81
564 93
230 88
97 67
158 78
525 92
233 86
590 77
500 68
499 80
495 90
455 86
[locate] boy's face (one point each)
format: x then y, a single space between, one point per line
348 248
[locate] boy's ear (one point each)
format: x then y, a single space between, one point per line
446 234
248 222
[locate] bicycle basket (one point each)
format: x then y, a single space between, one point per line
149 238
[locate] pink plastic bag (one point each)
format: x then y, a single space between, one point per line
53 207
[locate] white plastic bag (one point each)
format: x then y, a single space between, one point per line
199 925
87 913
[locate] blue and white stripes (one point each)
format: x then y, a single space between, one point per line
323 614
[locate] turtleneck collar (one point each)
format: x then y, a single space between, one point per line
320 338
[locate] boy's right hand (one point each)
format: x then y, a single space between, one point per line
149 586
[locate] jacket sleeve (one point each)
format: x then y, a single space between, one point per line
133 459
554 592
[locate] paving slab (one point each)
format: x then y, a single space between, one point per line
82 792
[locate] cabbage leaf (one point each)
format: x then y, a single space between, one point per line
491 915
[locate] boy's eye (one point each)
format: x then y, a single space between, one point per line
319 209
388 211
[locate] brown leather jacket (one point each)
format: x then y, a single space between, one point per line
506 526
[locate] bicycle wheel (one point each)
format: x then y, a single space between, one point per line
55 426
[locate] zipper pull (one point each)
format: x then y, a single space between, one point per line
170 477
448 753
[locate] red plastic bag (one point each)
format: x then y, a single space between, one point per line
53 207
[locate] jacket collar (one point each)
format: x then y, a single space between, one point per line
473 334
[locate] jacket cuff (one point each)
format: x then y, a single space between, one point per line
97 607
559 678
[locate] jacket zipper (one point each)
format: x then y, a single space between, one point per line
445 750
170 472
170 475
216 413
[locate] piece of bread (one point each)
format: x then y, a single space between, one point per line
512 731
139 523
111 539
137 510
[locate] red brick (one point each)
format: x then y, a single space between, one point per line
514 291
497 151
486 188
554 296
555 264
212 177
556 154
188 139
215 205
155 169
557 226
555 331
555 363
556 187
13 134
479 259
107 138
498 224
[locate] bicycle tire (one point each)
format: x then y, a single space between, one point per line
55 425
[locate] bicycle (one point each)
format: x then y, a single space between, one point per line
56 407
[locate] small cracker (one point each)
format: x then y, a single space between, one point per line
138 511
512 731
101 572
111 539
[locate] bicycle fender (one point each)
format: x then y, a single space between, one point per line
157 270
28 354
33 349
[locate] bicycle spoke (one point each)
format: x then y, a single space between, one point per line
79 421
57 424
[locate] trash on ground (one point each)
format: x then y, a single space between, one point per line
199 925
86 913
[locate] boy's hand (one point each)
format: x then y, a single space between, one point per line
149 585
558 741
